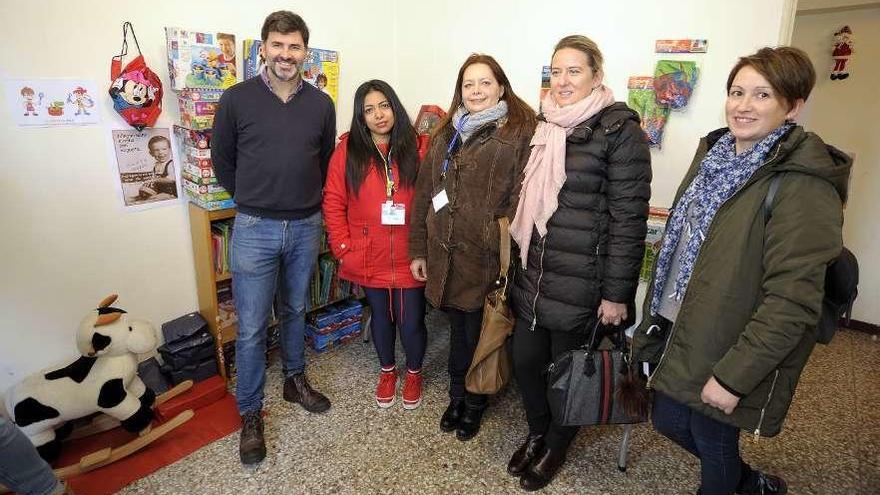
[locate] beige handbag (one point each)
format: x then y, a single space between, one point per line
490 368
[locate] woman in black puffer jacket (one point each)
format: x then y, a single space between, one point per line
580 226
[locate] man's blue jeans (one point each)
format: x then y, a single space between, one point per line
21 468
269 254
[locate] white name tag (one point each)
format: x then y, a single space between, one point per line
440 200
393 213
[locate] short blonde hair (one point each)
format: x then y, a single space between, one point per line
583 44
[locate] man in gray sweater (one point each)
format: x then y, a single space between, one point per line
273 137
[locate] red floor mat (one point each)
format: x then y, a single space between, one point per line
210 423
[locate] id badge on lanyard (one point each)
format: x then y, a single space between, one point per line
441 199
392 213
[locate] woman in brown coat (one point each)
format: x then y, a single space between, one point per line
470 178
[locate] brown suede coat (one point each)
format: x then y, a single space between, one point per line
460 241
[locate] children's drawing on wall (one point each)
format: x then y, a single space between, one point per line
27 95
145 167
80 98
52 102
843 49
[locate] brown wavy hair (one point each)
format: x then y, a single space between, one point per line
520 116
788 70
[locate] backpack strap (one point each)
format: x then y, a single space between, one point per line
771 194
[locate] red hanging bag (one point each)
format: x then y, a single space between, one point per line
136 90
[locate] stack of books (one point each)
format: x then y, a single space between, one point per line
326 287
221 241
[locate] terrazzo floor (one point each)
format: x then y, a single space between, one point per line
830 443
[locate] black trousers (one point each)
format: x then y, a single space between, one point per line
533 350
398 309
464 327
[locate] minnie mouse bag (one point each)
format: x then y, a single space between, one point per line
136 91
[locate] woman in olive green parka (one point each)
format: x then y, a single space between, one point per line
732 307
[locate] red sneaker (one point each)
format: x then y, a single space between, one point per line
386 389
412 389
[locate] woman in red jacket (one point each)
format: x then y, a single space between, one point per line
367 210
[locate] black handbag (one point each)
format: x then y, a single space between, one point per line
588 386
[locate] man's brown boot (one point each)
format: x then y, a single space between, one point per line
297 389
252 446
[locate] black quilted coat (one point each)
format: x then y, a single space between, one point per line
595 240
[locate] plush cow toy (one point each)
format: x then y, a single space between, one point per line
104 379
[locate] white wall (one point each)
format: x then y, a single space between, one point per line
515 33
844 113
67 244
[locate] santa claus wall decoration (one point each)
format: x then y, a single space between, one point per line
843 49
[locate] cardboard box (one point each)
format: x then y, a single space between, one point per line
196 60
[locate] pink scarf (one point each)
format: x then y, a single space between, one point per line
545 171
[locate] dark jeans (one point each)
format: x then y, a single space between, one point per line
533 350
269 254
464 327
716 444
403 309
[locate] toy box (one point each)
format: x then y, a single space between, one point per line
209 205
193 153
206 193
195 139
657 218
200 60
201 193
322 342
336 313
197 107
204 173
198 179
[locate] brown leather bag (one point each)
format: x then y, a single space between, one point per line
490 368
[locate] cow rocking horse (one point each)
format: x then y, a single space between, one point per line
99 391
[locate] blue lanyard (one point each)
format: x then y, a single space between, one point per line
452 144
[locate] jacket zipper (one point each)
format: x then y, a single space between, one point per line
767 403
366 254
708 236
538 286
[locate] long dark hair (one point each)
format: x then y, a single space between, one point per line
362 151
520 116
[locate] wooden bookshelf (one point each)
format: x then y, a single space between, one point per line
207 278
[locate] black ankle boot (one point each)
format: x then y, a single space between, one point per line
541 472
759 483
452 415
469 424
525 454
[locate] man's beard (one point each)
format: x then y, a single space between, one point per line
296 72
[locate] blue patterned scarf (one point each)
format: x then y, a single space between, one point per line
722 173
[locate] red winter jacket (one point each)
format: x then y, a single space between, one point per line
370 254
